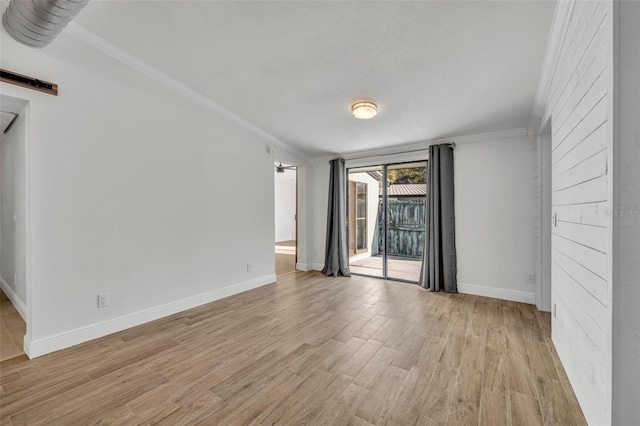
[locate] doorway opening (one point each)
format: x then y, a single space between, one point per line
386 220
13 228
286 212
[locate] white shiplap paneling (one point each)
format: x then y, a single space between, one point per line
578 105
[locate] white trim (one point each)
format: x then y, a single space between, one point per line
15 299
498 293
544 194
142 67
69 338
424 145
306 267
559 28
27 220
406 157
12 104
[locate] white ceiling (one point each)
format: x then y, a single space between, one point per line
293 68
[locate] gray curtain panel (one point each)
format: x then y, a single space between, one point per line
439 268
336 257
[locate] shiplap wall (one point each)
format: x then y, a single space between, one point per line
579 106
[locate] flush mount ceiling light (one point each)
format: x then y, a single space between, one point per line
364 110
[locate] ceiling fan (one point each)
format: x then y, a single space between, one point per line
280 168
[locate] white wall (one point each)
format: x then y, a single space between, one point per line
285 205
127 198
303 245
12 200
317 216
579 104
494 212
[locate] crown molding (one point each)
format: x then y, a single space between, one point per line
171 83
421 146
557 36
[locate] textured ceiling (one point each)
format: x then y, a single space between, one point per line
436 68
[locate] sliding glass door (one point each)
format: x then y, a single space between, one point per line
386 220
406 208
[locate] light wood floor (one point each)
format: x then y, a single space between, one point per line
285 257
310 350
12 329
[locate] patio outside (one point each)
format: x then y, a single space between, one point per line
405 269
404 224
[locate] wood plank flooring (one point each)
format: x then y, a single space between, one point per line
307 350
12 329
285 257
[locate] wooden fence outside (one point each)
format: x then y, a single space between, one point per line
406 227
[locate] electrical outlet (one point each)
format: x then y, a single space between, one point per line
249 267
103 300
531 278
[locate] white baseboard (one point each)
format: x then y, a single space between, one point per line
497 293
309 266
79 335
303 267
15 300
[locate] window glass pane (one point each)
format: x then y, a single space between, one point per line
361 206
361 234
365 255
406 212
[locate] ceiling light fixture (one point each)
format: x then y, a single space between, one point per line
364 110
281 169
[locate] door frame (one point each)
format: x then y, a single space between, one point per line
296 207
24 308
545 222
385 255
